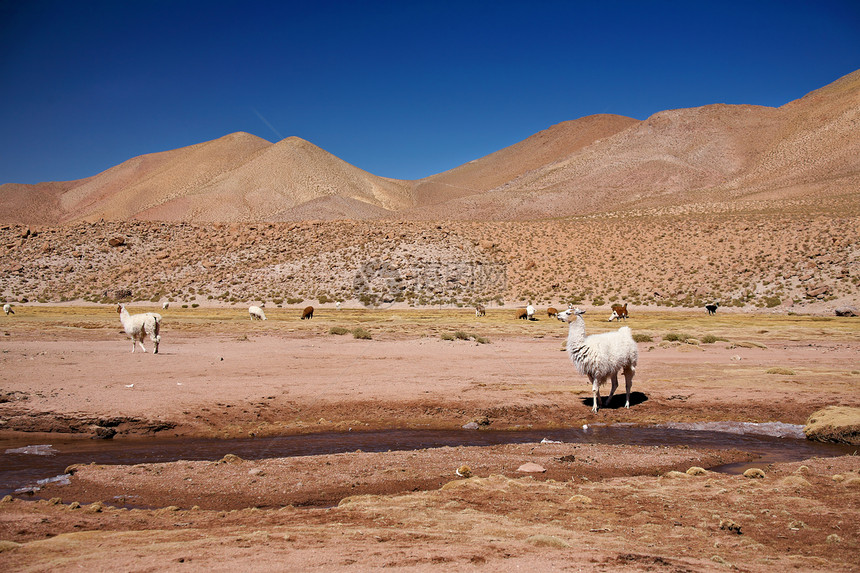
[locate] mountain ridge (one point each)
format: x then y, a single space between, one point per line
600 163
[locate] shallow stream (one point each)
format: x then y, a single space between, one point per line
26 463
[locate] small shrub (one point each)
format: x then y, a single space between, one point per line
460 335
361 334
482 340
708 339
638 337
783 371
447 336
676 337
339 330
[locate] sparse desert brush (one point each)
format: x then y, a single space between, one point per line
783 371
339 330
676 337
361 334
460 335
640 337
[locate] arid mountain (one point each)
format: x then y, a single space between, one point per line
501 167
712 154
238 177
686 158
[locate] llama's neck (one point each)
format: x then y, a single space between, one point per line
123 315
576 333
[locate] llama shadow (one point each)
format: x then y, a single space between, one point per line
618 400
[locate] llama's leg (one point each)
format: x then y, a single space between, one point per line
595 391
139 338
612 389
154 336
628 381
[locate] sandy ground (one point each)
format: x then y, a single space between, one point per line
69 370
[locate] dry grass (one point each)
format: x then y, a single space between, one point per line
737 328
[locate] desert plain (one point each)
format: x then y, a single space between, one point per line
67 371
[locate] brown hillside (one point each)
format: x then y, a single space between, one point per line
505 165
806 149
288 174
131 188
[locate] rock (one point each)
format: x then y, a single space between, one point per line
754 473
817 292
839 424
531 468
697 471
104 433
846 311
116 241
230 459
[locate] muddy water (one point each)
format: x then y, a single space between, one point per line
23 464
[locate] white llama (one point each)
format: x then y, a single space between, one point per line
601 356
137 326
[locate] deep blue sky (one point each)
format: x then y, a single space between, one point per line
402 89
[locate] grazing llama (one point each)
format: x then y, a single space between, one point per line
137 326
480 310
712 308
601 356
256 312
308 313
618 312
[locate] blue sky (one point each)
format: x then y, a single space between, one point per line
400 89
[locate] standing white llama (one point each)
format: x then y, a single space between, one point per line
601 356
137 326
